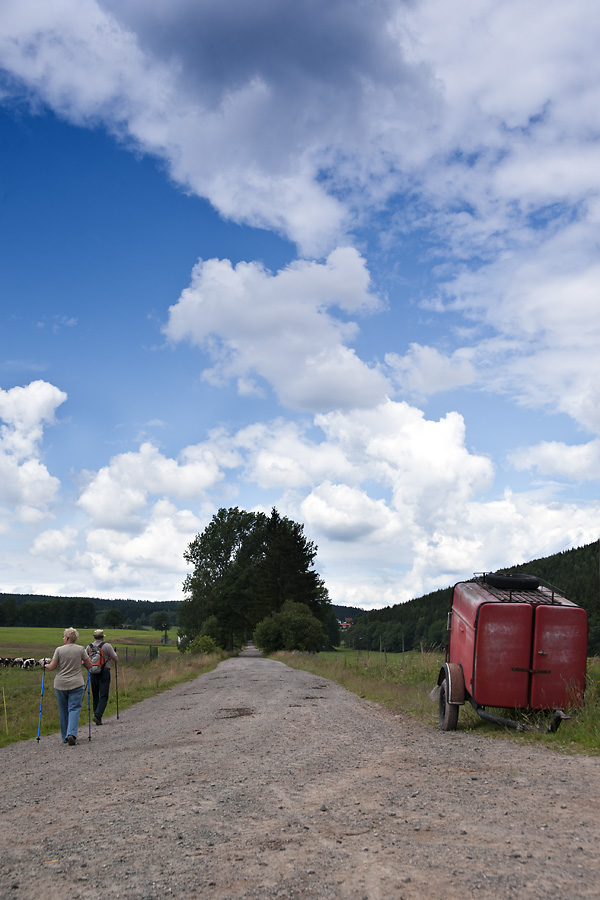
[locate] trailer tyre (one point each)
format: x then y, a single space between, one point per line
448 712
508 582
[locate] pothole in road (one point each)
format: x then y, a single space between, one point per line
234 713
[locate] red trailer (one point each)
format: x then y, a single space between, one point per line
515 643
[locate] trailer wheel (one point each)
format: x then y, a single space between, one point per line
448 711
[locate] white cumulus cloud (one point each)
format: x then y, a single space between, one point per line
424 371
113 559
283 328
26 486
576 462
117 496
54 542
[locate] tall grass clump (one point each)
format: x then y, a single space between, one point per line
582 731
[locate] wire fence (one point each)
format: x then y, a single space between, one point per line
139 652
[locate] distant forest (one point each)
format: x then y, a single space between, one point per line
80 612
576 573
38 610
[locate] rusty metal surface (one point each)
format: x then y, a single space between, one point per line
456 681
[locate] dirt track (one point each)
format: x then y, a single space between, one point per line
260 781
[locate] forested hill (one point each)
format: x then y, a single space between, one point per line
575 572
83 612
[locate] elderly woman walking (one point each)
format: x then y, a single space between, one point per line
68 683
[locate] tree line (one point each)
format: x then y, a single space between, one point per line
405 626
42 611
49 613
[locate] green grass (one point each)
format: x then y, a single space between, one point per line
21 689
22 641
403 683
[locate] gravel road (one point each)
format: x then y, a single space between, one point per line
260 781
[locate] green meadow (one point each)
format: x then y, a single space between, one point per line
28 641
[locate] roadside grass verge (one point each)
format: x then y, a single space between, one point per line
403 683
21 689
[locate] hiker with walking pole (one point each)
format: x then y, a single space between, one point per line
68 683
100 654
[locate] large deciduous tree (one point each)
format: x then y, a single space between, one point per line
224 557
161 621
246 566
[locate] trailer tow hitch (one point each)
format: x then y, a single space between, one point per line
557 718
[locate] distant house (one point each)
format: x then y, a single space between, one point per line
345 623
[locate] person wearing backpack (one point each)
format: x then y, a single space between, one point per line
100 654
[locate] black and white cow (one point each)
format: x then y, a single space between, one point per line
21 662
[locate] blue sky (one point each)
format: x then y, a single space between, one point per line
340 258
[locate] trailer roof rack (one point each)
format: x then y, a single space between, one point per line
545 592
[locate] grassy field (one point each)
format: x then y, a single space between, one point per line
403 682
40 642
137 678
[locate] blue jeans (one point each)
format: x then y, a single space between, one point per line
69 705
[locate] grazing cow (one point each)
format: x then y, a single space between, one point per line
17 661
28 663
5 660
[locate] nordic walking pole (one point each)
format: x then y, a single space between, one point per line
117 685
89 711
41 698
5 716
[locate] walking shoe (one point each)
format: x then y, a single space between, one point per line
96 720
71 739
